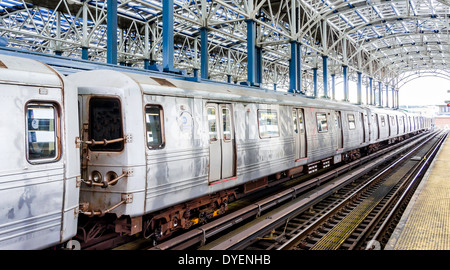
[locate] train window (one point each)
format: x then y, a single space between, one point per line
351 121
294 117
212 124
268 123
105 118
383 121
226 117
43 139
322 125
154 126
393 120
300 121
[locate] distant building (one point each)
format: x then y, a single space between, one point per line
442 119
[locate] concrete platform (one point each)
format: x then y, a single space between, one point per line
425 224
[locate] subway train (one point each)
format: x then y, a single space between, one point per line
161 154
40 163
152 154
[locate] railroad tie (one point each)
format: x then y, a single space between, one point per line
333 239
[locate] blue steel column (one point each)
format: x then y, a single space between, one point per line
333 87
387 95
367 94
85 53
259 66
111 32
167 36
359 89
398 100
325 75
251 51
204 56
379 94
371 90
393 98
345 83
315 81
299 68
293 68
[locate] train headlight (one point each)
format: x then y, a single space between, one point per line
110 176
97 177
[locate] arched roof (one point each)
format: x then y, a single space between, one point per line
382 39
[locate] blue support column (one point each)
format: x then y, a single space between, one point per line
345 83
167 35
393 98
325 75
299 68
85 53
333 86
111 32
315 82
259 66
293 69
371 90
367 94
398 100
251 52
359 89
379 94
387 96
204 55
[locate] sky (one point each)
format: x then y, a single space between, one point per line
422 91
425 91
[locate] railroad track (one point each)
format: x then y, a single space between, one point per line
368 214
303 195
347 217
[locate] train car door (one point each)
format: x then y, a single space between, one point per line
339 137
221 141
299 133
376 121
363 126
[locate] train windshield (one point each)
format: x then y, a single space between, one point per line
105 124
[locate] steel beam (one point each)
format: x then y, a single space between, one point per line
371 90
111 32
379 95
345 83
325 75
168 36
387 95
204 54
315 82
393 98
333 86
293 68
259 66
251 52
359 89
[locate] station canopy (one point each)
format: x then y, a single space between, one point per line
390 41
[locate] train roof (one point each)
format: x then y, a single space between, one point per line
18 70
207 90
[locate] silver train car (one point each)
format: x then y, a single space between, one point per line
40 162
161 154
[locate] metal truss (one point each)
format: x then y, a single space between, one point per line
383 40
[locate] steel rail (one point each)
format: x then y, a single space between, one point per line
296 239
206 231
201 233
374 242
